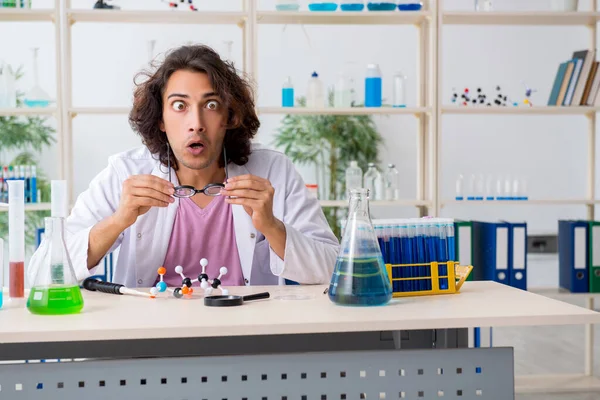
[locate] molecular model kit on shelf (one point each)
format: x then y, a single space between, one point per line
499 99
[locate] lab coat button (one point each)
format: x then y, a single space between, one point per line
252 235
139 235
140 281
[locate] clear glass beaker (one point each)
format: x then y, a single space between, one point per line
360 277
55 289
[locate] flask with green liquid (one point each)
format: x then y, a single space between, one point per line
55 290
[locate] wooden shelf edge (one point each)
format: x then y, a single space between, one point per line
559 383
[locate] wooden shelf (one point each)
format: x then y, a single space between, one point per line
157 17
98 110
344 111
556 384
532 202
343 17
25 111
520 110
28 207
520 18
378 203
25 15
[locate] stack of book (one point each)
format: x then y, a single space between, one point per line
577 81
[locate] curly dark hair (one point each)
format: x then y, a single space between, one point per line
236 93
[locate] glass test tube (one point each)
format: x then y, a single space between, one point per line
16 239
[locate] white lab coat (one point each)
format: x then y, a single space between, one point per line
311 247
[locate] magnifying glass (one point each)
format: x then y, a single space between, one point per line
228 301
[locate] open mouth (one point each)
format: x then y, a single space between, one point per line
197 145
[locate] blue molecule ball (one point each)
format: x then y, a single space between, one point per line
161 286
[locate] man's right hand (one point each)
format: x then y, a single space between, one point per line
140 193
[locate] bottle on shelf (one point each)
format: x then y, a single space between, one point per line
287 5
373 86
460 187
381 5
408 5
484 5
489 187
322 6
352 5
8 90
287 93
315 97
392 183
373 181
399 98
354 177
342 95
36 96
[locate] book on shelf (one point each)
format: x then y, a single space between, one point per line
577 81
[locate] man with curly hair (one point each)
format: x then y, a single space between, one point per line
248 208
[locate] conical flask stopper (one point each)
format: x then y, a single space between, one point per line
360 277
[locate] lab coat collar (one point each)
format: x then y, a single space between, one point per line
245 232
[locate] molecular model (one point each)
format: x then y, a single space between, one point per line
499 99
186 283
174 3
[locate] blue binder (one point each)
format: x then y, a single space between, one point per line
491 251
573 255
517 250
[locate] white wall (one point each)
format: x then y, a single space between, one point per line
550 150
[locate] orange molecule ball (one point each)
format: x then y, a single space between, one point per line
162 271
185 290
190 290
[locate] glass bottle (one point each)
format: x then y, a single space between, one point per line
373 182
354 177
484 5
55 290
36 96
360 277
392 183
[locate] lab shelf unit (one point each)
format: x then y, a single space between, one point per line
429 108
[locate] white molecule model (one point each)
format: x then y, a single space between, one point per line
186 283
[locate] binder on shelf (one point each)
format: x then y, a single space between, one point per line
464 244
573 255
491 251
594 256
517 250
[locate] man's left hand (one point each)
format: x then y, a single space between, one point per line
256 195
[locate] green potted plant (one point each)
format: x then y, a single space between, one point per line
25 136
329 142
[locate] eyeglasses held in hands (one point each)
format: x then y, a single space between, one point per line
212 189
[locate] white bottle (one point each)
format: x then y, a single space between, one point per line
399 98
373 182
460 188
342 95
354 177
315 97
392 183
484 5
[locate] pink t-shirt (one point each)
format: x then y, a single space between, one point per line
203 233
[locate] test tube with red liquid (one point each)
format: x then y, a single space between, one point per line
16 240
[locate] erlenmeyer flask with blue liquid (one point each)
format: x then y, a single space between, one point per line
360 277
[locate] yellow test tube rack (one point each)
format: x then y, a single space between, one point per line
429 277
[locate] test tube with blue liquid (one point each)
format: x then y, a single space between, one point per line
287 93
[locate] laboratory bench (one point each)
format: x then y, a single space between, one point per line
296 344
